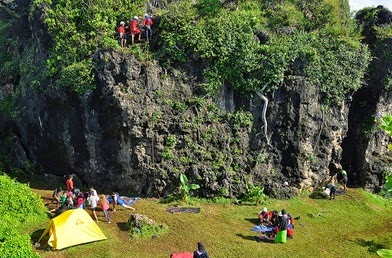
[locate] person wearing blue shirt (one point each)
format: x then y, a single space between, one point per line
117 200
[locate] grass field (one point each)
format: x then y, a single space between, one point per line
356 224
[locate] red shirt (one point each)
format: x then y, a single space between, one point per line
147 21
121 29
134 27
69 184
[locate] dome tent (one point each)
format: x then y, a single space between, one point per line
72 227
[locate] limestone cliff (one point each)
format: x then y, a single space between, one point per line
143 125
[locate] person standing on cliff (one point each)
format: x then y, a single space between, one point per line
121 34
134 29
147 22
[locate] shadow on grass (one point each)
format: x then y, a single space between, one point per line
316 195
256 238
254 221
43 244
122 226
370 244
319 195
37 234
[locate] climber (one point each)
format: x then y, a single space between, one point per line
134 29
122 36
147 22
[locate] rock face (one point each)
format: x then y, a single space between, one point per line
144 125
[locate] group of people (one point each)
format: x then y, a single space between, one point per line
132 30
274 225
73 198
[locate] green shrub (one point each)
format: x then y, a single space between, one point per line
13 244
322 45
19 209
78 29
148 230
77 76
186 188
19 202
385 123
255 195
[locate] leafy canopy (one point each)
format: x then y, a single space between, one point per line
78 29
317 42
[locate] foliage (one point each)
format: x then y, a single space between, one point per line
77 76
383 32
9 57
145 230
8 107
13 244
387 191
19 208
241 119
170 143
321 35
388 81
385 123
374 23
180 106
322 45
79 28
19 202
255 195
186 188
386 253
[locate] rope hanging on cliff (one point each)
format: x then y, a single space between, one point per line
263 113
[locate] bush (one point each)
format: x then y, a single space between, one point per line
143 227
13 244
329 56
19 202
255 195
19 209
78 29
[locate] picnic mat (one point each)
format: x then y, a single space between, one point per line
183 209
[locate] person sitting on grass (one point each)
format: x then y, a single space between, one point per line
63 204
265 217
117 200
56 196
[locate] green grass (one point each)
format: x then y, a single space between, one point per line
354 225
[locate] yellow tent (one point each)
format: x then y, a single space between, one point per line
72 227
